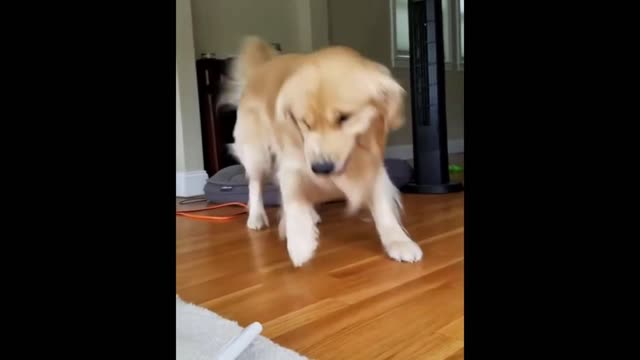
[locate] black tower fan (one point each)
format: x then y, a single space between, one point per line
430 155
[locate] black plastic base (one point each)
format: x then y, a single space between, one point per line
432 189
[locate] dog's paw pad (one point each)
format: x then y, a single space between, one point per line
407 251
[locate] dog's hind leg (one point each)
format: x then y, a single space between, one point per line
257 215
256 160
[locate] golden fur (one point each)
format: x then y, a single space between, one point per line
330 111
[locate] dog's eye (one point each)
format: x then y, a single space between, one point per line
296 121
342 118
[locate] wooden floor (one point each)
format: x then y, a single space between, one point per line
350 301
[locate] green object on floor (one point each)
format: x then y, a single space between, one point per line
455 168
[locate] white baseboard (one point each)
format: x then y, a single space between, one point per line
405 152
190 183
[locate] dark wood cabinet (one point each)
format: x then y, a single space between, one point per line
216 122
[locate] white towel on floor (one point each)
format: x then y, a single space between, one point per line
200 333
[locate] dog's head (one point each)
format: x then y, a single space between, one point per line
334 100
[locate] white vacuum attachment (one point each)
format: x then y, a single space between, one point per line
238 344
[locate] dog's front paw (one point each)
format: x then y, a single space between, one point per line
315 216
301 250
301 233
257 221
282 226
407 251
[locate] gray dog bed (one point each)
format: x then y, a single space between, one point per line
230 183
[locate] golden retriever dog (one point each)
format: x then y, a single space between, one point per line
318 122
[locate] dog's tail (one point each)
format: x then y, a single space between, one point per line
254 52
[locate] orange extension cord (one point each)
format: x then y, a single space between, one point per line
187 213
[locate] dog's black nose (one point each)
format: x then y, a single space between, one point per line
322 168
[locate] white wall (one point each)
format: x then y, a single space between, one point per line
190 174
180 161
220 25
319 13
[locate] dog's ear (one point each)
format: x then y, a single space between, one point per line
294 94
388 94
